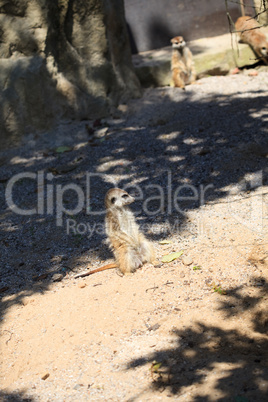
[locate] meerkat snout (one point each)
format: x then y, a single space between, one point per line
117 198
178 42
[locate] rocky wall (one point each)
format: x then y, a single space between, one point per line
61 59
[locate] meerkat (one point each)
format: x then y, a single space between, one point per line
249 32
182 65
130 247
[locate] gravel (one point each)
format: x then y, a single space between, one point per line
207 144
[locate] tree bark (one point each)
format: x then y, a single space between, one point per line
260 8
62 59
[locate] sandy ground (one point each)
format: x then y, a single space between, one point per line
194 329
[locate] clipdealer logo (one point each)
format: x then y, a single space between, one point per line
153 198
50 196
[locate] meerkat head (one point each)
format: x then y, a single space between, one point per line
117 198
264 50
178 42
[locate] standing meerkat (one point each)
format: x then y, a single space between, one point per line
182 65
249 32
130 247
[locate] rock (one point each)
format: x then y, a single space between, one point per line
252 73
57 277
78 386
40 277
123 108
154 327
153 67
82 285
154 74
235 71
202 151
186 260
45 376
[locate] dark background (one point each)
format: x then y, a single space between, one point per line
153 23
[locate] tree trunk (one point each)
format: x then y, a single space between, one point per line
260 8
62 59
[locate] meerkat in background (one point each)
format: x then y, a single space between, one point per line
182 65
250 33
130 247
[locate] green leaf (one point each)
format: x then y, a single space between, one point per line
165 242
172 256
155 366
196 268
62 149
219 290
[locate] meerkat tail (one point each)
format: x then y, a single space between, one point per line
87 273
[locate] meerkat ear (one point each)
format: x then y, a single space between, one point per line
113 199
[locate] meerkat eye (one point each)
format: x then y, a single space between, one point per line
125 196
113 200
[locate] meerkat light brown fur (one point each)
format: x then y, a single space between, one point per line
182 65
130 247
250 33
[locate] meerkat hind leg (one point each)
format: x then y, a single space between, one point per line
128 260
147 251
178 81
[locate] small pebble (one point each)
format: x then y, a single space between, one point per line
77 386
45 376
57 277
187 260
154 327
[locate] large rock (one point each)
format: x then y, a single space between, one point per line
62 58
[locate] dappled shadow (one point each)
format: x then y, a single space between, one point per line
28 108
225 364
187 147
238 360
133 45
15 397
50 70
154 24
160 33
238 303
